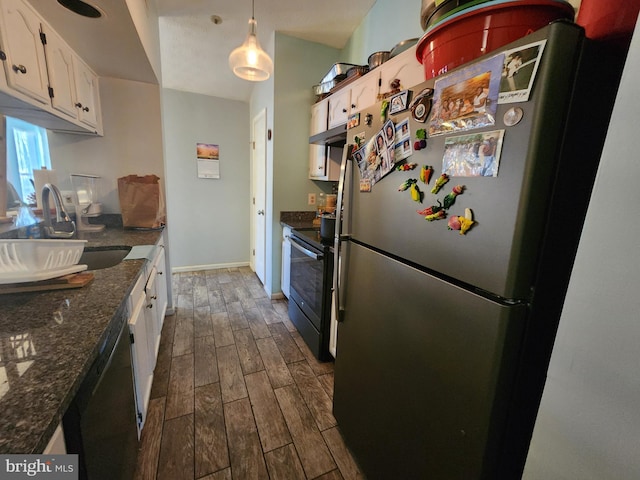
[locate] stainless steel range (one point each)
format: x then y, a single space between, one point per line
310 291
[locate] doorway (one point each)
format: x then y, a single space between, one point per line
258 183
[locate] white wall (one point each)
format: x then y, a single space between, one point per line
208 219
145 18
132 141
588 426
288 96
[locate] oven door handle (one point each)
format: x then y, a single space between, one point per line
307 252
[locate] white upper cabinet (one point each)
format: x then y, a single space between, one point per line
364 92
339 107
88 100
61 75
25 65
405 67
42 71
319 113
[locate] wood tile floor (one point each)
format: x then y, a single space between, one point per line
236 392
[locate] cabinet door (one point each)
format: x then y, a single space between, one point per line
61 75
339 107
25 65
404 67
87 94
151 318
162 299
319 113
142 370
317 162
364 92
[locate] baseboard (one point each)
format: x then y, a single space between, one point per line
278 296
212 266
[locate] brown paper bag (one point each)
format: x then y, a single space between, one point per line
141 201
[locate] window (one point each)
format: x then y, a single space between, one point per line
27 149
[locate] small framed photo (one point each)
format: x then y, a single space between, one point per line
399 102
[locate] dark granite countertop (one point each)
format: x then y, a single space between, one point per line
48 341
303 219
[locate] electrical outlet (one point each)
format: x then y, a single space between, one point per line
67 198
312 199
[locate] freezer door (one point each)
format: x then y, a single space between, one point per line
423 371
500 253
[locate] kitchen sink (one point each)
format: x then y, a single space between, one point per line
96 258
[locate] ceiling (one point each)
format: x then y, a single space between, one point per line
194 51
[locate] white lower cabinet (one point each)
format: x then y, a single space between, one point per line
56 445
140 331
147 307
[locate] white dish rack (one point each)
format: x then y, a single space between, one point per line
33 260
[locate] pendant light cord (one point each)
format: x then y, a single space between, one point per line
253 9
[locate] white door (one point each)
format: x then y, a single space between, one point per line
259 174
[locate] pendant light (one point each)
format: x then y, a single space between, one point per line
249 61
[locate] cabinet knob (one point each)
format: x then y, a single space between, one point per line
353 105
150 305
19 68
85 109
78 105
344 110
260 212
3 56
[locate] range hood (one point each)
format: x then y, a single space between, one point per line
333 136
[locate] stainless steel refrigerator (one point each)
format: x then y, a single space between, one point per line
444 338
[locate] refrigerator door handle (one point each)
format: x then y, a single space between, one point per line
339 236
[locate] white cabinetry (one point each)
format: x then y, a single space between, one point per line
364 92
61 75
44 81
404 67
88 100
25 65
56 445
143 362
285 281
147 307
319 113
339 107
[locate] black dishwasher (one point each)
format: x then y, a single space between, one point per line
100 424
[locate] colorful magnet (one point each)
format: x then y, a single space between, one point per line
421 105
406 166
440 214
462 223
416 194
425 173
406 184
450 198
430 210
442 179
512 116
384 106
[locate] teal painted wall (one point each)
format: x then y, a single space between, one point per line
387 23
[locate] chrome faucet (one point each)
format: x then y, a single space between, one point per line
62 218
